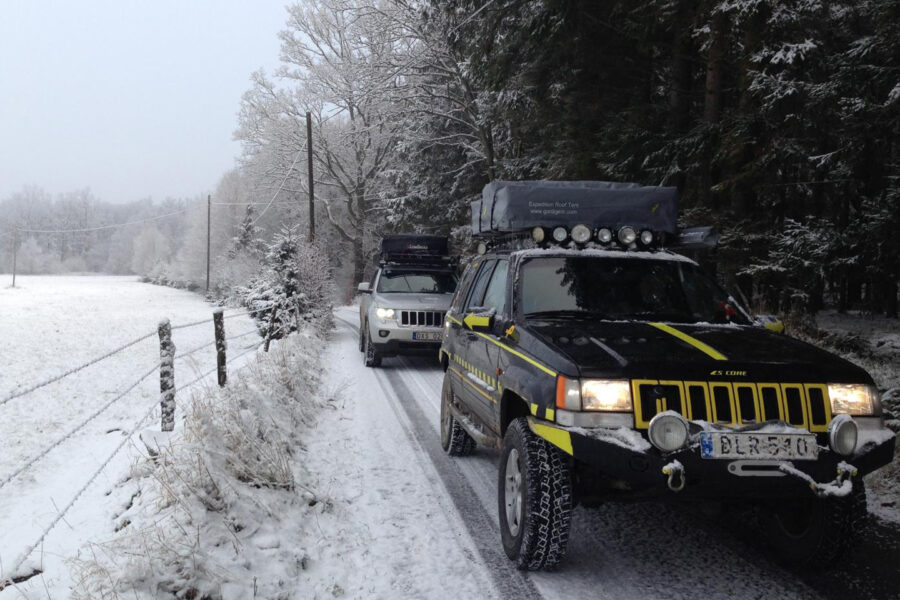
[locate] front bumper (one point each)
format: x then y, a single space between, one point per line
391 339
619 462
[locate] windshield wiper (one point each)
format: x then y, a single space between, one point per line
565 314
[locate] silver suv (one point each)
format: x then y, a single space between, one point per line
401 311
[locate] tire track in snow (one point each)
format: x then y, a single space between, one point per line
509 582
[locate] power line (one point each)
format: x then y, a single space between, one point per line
283 181
102 227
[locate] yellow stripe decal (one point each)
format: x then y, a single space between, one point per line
527 359
473 385
708 350
556 436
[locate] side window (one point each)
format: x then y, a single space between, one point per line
463 288
475 298
495 296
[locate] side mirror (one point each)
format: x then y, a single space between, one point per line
364 288
770 322
479 320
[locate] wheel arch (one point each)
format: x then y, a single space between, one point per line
512 406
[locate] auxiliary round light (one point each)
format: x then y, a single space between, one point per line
843 434
538 234
627 235
581 234
481 248
560 234
604 235
668 431
646 237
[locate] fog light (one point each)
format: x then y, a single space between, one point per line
843 434
646 237
604 235
627 235
581 234
383 333
560 234
668 431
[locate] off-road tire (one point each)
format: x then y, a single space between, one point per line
371 357
454 439
817 532
542 536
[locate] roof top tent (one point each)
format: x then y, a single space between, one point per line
509 206
415 249
513 207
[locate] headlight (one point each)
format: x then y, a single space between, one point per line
604 235
627 235
581 234
852 398
668 431
384 313
606 395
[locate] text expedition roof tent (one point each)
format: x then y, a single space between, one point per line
411 247
510 206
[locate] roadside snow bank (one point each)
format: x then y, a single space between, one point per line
219 504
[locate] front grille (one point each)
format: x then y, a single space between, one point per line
733 403
422 318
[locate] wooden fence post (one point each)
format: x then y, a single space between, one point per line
219 324
166 375
271 325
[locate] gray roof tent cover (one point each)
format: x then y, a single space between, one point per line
508 206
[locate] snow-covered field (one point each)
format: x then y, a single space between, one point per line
49 325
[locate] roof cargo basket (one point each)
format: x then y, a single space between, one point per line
515 206
415 249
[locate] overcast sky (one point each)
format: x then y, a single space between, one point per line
130 98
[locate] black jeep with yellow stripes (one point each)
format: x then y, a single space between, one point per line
606 367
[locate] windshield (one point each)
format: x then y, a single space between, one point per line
409 282
622 289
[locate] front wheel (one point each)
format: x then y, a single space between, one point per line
815 531
534 497
454 439
372 356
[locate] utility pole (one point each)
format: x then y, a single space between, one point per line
208 235
15 249
309 160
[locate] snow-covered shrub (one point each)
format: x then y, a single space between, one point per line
296 282
215 498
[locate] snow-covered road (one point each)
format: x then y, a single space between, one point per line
642 551
48 325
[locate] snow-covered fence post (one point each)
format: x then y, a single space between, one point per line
219 324
271 325
166 375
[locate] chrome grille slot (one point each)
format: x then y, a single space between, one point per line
421 318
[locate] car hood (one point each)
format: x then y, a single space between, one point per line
687 351
414 301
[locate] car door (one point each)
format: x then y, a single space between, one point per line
484 354
464 342
477 382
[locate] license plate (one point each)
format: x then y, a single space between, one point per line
758 446
427 336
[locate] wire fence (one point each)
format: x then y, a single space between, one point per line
219 341
127 438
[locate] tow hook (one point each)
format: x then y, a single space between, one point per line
675 472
